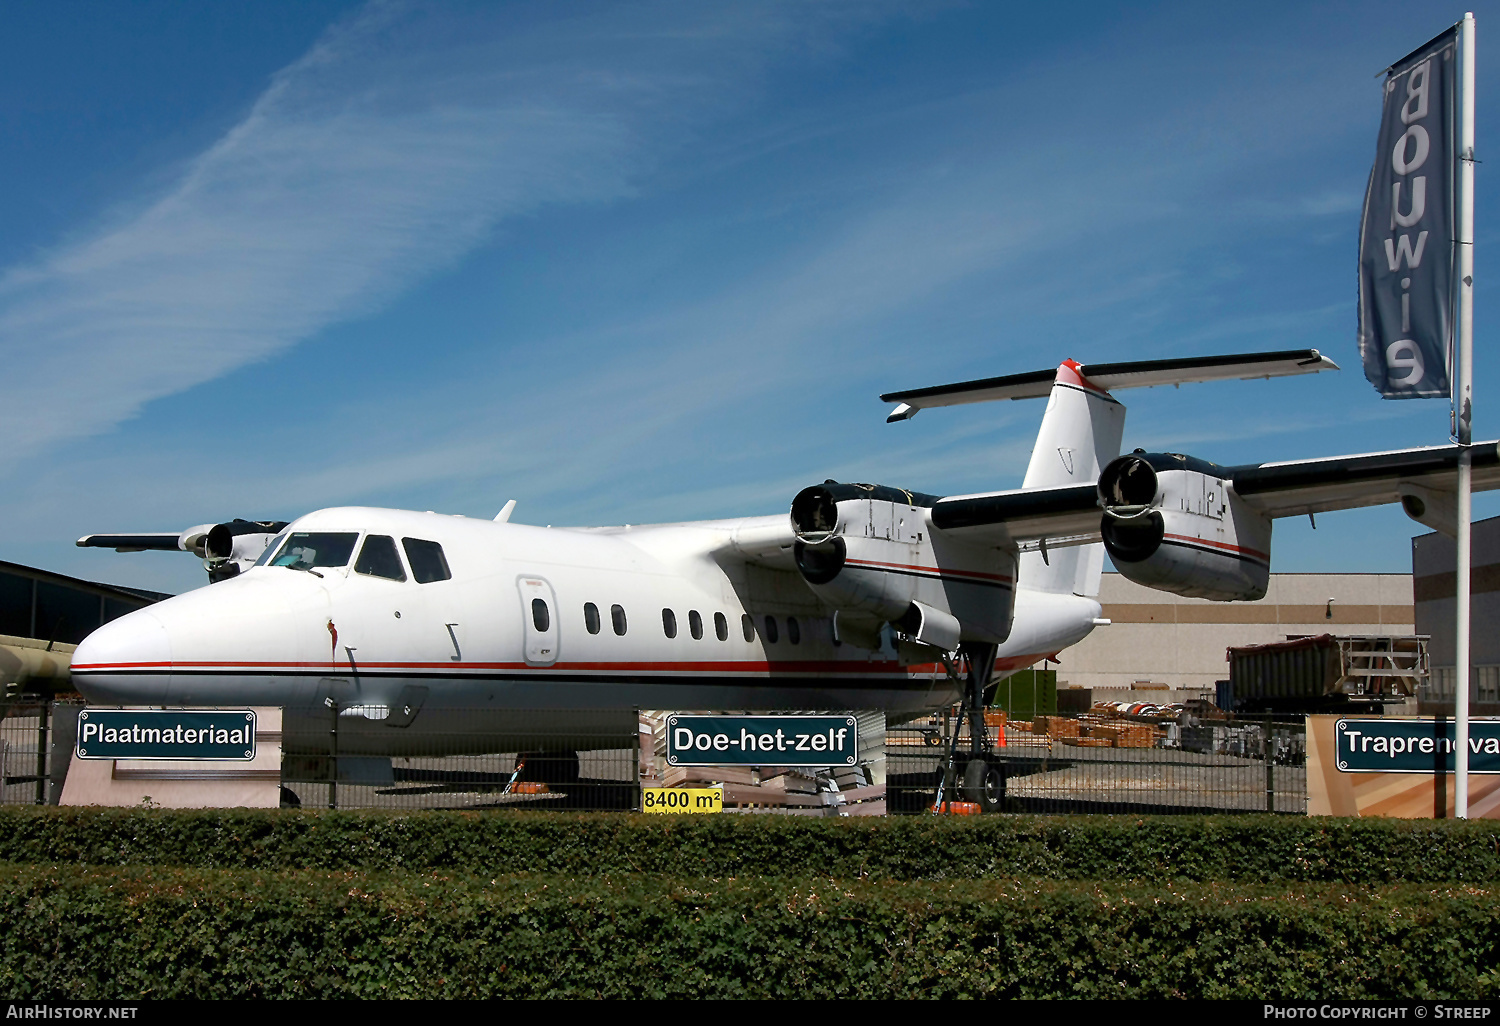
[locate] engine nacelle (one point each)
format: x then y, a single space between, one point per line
870 553
1173 523
228 549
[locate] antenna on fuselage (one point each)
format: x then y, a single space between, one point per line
503 517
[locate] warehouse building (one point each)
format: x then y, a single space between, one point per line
1434 587
1162 639
44 615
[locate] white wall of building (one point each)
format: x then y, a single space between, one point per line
1167 639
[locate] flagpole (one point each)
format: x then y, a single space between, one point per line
1464 397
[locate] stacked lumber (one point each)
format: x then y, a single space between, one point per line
1057 727
1094 732
1136 735
1088 742
696 776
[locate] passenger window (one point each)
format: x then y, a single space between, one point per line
747 625
793 631
721 627
771 629
426 559
617 618
669 623
591 617
378 558
695 625
540 617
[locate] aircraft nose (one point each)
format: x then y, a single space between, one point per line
127 661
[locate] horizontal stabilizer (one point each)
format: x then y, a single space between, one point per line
1108 376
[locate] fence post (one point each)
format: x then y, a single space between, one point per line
41 752
333 759
1270 752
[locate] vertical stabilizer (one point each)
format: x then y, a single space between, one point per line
1080 433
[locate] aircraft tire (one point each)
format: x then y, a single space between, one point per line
984 784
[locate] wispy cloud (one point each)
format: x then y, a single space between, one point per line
397 144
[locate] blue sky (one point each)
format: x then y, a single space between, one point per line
655 261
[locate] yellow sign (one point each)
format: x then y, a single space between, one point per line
682 799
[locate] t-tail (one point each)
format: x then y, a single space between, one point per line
1080 434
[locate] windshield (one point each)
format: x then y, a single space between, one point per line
265 557
306 549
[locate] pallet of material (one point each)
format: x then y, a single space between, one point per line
678 776
1088 742
1057 726
790 783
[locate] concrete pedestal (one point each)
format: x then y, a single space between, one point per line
187 784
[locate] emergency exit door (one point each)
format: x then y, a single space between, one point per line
539 620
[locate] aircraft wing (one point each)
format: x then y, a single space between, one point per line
1298 487
765 541
1071 514
163 540
1067 514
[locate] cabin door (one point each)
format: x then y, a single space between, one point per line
539 620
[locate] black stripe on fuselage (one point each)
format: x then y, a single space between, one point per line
928 575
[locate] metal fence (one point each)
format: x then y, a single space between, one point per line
36 741
358 757
1093 763
361 758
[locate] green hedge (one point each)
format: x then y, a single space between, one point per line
166 933
1244 848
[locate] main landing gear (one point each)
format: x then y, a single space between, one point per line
983 773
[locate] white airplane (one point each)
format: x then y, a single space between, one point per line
427 633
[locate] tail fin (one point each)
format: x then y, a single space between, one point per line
1080 433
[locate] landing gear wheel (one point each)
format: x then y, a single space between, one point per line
984 784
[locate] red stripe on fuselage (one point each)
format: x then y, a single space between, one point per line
1219 545
721 666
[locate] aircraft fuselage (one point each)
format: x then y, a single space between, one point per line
581 627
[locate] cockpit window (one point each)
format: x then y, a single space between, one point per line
271 550
426 559
306 549
378 558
